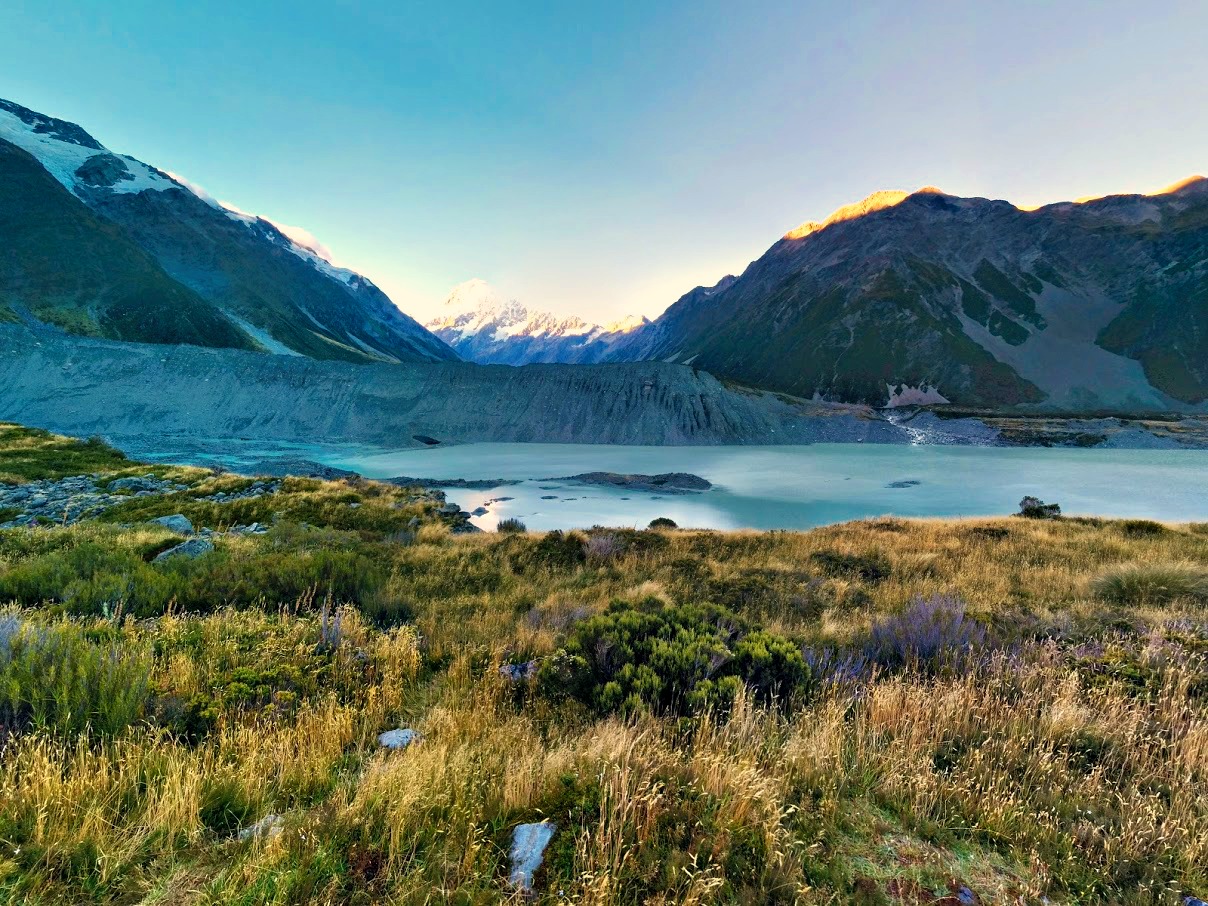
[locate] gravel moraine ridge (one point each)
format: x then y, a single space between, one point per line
69 500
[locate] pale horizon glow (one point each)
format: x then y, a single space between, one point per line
603 161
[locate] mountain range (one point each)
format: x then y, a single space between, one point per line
100 244
901 299
484 327
928 297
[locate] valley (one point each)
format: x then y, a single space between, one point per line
872 573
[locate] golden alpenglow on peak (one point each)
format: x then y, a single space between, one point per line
1181 185
877 201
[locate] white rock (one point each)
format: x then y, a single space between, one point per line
397 739
528 848
267 827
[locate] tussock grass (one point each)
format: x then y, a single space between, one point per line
1145 584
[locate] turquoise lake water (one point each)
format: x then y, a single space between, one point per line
794 487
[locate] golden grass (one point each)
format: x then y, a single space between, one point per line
1072 765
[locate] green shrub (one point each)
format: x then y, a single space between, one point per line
1152 583
511 526
662 522
1035 508
54 678
553 551
280 577
670 659
770 665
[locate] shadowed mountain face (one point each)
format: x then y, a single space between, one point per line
63 265
928 297
76 217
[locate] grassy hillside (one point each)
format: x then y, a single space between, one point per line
67 267
993 711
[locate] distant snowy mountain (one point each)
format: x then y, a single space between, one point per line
483 326
110 246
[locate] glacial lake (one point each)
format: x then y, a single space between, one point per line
787 487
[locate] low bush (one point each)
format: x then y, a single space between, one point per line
1035 508
1142 528
675 659
54 678
833 667
930 634
1147 584
603 547
989 532
554 551
662 522
511 526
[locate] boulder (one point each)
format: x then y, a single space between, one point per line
192 548
129 484
268 826
178 523
397 739
519 672
528 848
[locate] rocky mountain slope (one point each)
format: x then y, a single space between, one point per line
484 327
926 297
102 244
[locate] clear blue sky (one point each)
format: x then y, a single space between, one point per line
603 159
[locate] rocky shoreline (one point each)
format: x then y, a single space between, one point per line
61 502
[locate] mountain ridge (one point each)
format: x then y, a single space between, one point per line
276 293
1074 306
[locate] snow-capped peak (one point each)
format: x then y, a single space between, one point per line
73 157
298 240
471 296
481 323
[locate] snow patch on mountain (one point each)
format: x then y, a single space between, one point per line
905 395
74 157
298 240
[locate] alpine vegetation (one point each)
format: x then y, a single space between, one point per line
328 711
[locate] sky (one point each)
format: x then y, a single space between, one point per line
603 159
